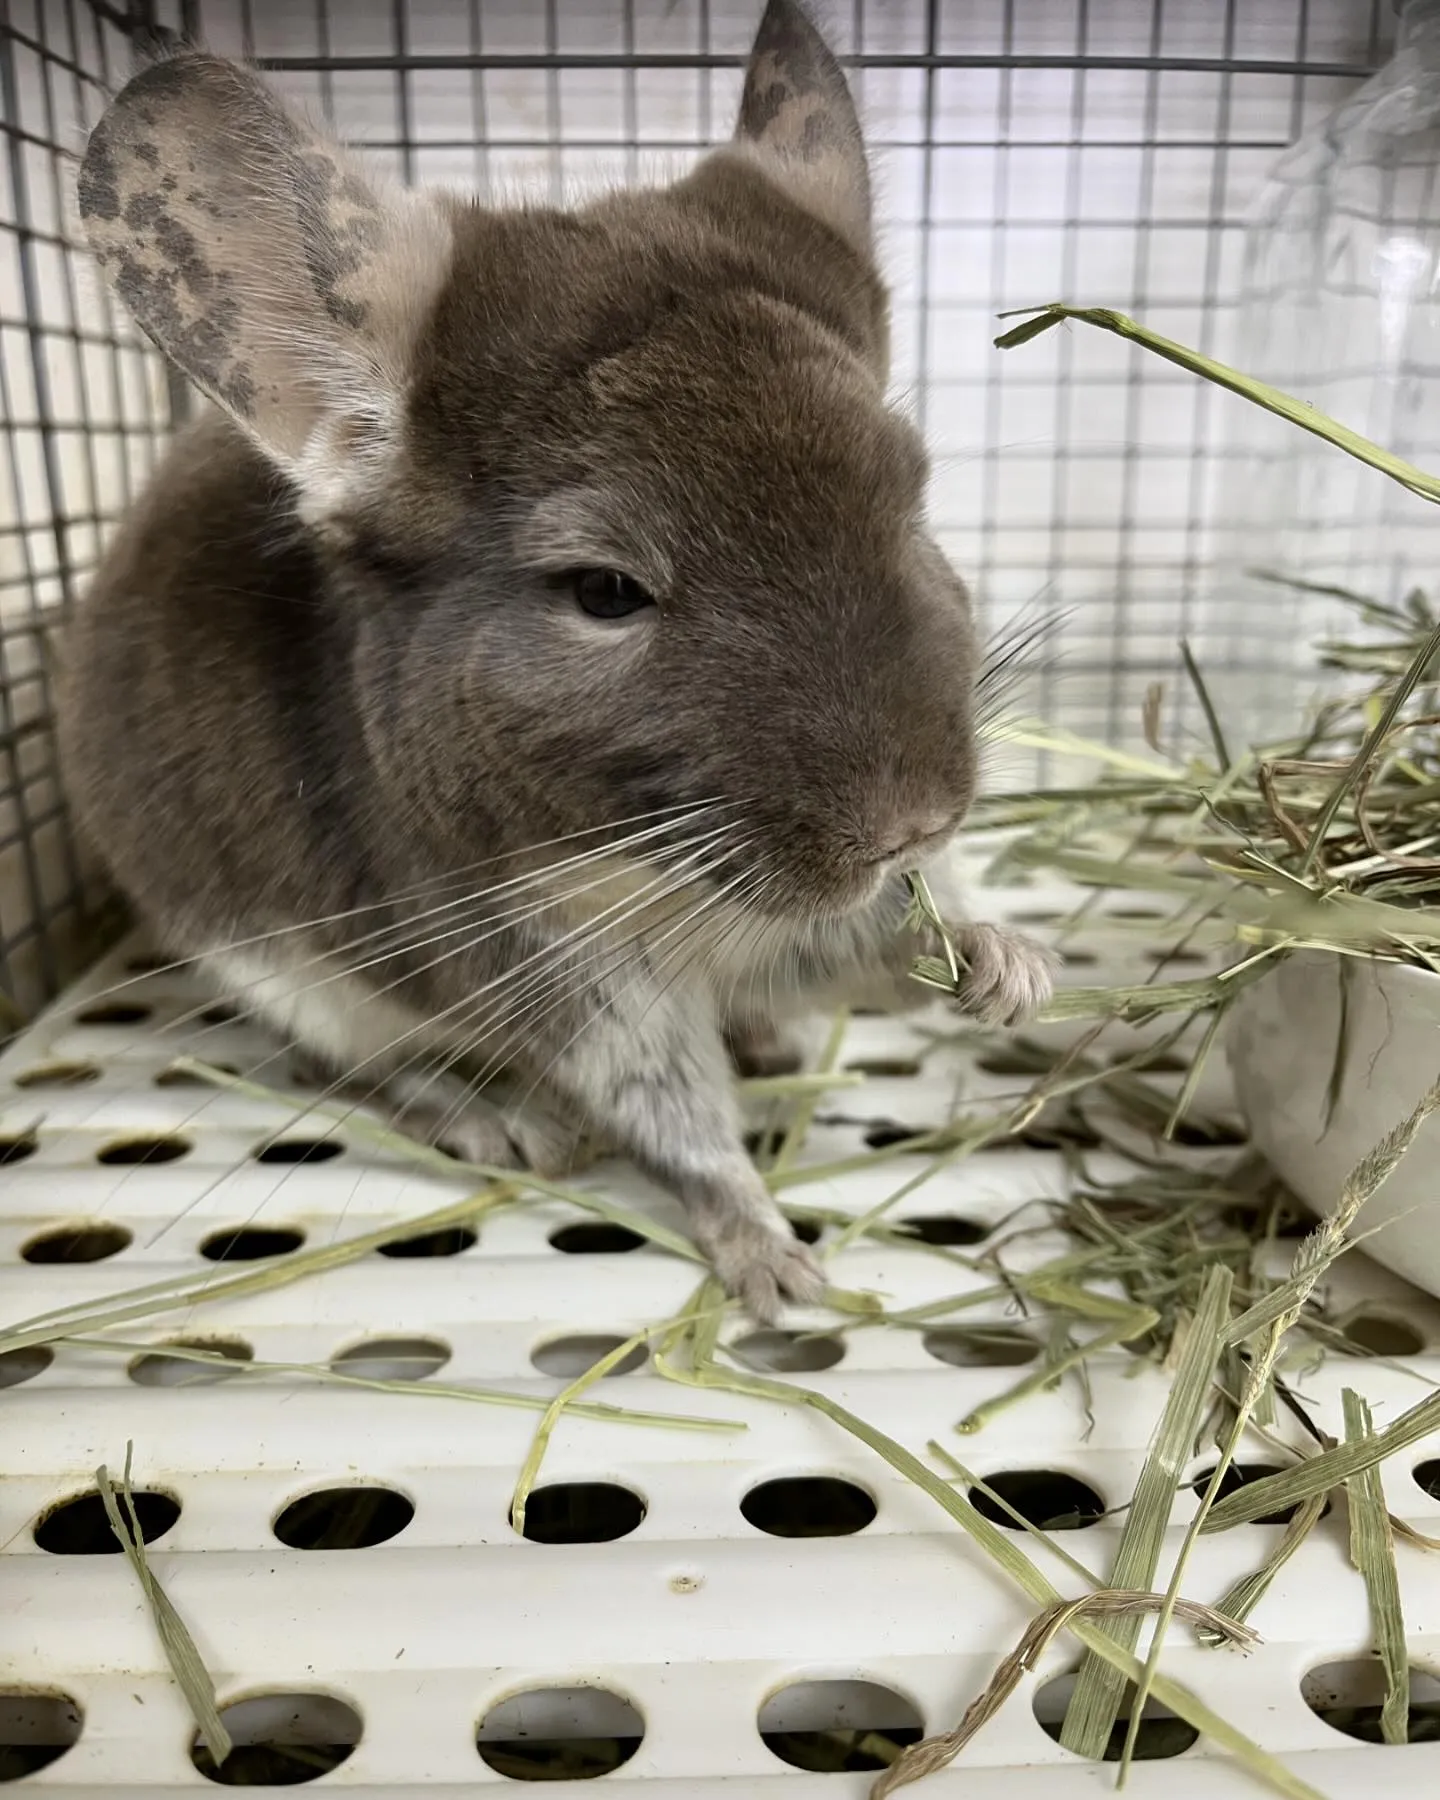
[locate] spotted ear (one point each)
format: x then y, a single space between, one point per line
798 120
286 284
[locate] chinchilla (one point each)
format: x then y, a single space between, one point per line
531 682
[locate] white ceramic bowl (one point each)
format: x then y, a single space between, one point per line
1282 1044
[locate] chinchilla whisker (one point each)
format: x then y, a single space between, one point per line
406 937
545 955
554 981
561 975
741 929
560 979
1009 657
738 895
670 817
466 931
496 922
420 1029
690 923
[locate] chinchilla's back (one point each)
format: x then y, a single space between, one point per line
209 741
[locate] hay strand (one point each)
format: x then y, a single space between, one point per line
1099 1689
1372 1550
1124 1607
191 1675
1259 393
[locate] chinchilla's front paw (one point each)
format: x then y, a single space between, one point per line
1008 976
760 1261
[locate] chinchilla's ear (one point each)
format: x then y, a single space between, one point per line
288 285
798 122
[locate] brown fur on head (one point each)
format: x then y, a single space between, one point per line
469 408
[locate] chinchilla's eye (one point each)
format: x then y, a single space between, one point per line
609 594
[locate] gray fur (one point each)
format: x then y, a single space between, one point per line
331 655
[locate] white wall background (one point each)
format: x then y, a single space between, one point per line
1101 151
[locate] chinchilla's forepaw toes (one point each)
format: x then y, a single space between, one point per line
1009 976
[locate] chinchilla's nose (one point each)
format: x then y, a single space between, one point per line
913 834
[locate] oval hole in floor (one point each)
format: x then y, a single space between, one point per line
1348 1697
36 1729
115 1012
1160 1062
161 1367
1048 1498
572 1356
17 1149
451 1240
187 1078
838 1727
392 1358
1287 1219
1383 1334
58 1074
292 1151
249 1243
559 1734
809 1231
1208 1134
595 1237
1425 1475
344 1518
89 1241
581 1512
24 1364
1161 1734
981 1346
79 1527
151 962
943 1228
1240 1475
1135 912
222 1013
281 1740
1011 1062
881 1068
885 1137
131 1150
808 1506
1073 1134
789 1352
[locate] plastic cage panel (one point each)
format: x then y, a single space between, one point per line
762 1609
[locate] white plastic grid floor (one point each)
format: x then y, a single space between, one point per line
695 1618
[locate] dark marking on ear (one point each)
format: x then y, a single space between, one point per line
762 106
339 226
819 138
785 49
98 189
796 112
143 211
247 249
200 343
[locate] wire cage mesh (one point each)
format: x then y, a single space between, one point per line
1100 150
1024 150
